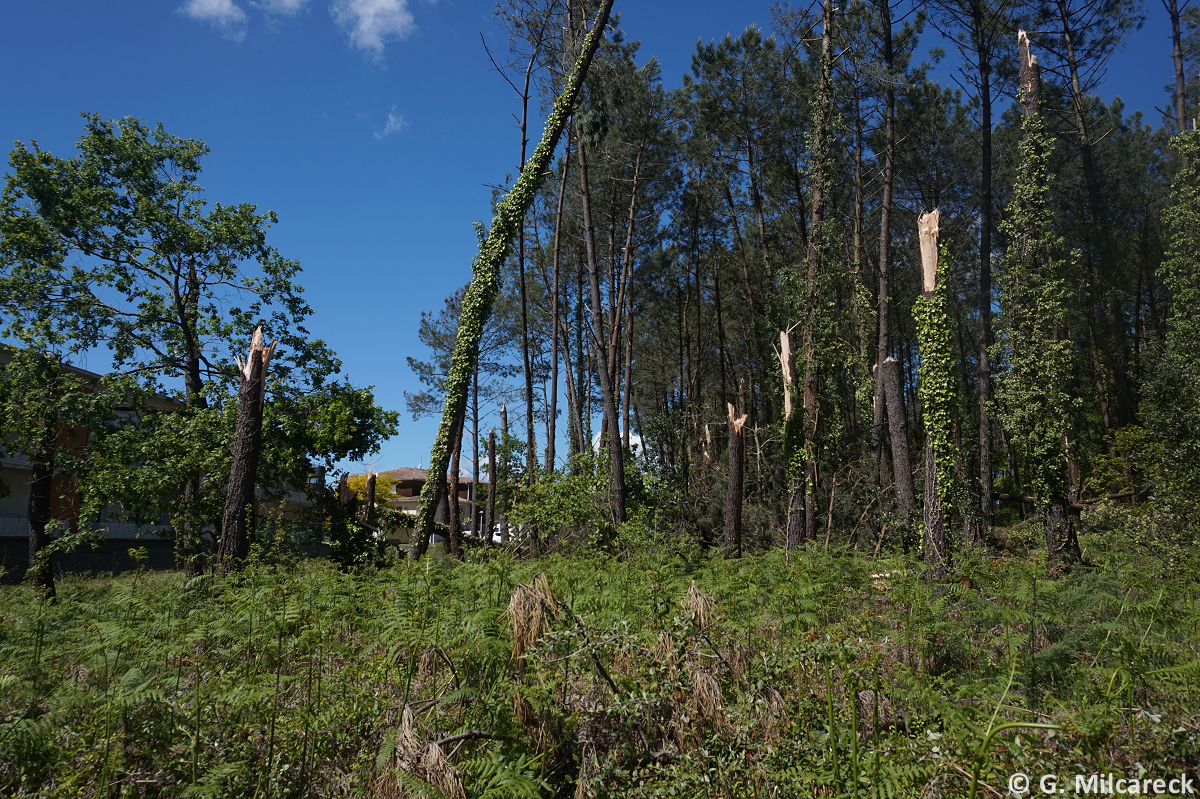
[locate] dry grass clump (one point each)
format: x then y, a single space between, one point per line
425 761
707 702
701 606
527 610
664 652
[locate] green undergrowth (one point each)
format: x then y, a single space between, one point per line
589 675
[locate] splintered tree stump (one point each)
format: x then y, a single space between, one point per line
936 546
737 460
247 445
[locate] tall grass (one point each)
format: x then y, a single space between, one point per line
831 675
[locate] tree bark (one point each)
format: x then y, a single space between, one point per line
247 445
737 463
369 511
1177 57
901 465
983 62
884 343
552 411
489 519
612 439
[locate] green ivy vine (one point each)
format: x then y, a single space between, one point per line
485 279
936 389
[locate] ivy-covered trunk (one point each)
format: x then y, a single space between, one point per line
936 392
1032 393
481 293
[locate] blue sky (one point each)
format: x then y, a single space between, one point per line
370 126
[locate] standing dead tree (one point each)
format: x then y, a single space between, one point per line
247 445
936 392
737 468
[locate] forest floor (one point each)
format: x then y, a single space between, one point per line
831 673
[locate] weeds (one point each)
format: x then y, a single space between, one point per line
592 676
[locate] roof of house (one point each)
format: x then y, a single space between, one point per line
407 473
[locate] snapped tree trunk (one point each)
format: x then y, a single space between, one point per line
369 511
247 444
481 293
936 392
794 521
737 464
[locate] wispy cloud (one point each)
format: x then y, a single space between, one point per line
224 15
394 123
281 6
371 23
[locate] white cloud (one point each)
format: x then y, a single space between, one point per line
372 22
281 6
394 123
223 14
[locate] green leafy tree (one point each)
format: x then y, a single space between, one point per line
118 248
47 413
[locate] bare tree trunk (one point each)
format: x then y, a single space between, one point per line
247 444
884 343
737 464
613 440
889 375
985 264
1177 57
369 511
552 411
475 452
503 466
489 519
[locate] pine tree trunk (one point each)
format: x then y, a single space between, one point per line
901 465
1177 57
884 343
737 463
611 438
247 444
489 519
984 65
552 411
